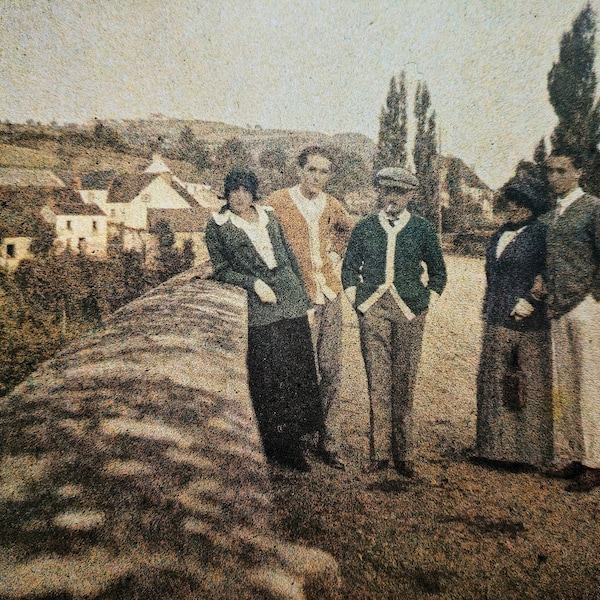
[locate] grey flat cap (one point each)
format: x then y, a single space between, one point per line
396 177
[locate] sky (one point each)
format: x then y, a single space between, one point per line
317 65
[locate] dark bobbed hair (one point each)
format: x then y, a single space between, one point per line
241 177
314 151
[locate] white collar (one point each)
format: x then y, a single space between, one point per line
399 223
571 196
299 197
228 215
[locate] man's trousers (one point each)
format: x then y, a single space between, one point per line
576 388
391 348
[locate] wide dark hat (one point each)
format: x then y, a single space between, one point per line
529 191
240 177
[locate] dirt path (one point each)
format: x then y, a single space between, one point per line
457 530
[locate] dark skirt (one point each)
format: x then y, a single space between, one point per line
514 396
282 378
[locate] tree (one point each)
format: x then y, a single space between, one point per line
425 154
540 153
192 150
391 144
170 260
572 87
350 173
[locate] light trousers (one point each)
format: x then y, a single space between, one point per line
576 387
391 349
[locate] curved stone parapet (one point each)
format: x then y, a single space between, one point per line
131 465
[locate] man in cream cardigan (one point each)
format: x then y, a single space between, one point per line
317 227
382 275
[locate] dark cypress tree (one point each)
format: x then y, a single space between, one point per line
572 87
425 155
540 153
391 144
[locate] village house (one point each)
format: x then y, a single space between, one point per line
78 227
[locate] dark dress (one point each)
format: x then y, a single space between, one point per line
514 385
282 375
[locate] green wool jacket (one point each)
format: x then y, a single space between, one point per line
573 255
364 262
236 261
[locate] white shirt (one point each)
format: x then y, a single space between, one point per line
256 231
505 239
563 203
311 211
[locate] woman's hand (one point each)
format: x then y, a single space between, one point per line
264 292
522 309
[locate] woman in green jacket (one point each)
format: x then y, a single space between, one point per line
248 249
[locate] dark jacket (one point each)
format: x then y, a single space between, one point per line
236 261
364 262
573 268
511 276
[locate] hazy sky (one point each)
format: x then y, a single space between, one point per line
314 65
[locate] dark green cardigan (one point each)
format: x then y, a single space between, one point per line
236 261
364 261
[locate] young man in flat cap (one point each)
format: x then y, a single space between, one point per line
382 277
573 279
317 227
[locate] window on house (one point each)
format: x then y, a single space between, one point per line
11 251
68 224
95 225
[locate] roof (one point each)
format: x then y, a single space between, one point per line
125 188
20 211
69 202
97 180
184 193
181 220
13 176
158 165
94 180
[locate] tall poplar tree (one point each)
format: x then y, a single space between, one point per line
391 145
425 154
572 87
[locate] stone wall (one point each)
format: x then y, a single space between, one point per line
131 465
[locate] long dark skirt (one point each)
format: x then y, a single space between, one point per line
514 397
283 384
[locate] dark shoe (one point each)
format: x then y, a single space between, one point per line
375 466
568 471
404 468
587 481
331 459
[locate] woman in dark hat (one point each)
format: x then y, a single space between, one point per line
514 401
247 248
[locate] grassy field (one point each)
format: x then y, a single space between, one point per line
457 530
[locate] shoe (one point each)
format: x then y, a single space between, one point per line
375 466
404 468
567 471
587 481
331 459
